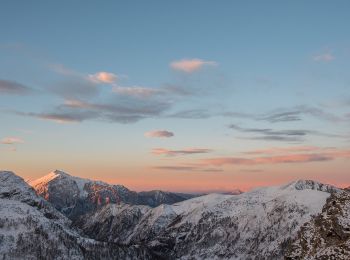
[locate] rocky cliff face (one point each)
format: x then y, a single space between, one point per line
327 235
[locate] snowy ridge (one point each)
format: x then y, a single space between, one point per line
256 224
312 185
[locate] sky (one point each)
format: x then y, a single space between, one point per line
190 96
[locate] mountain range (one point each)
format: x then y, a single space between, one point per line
74 196
64 217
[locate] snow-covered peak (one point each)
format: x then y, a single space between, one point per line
60 172
46 179
56 174
60 179
311 185
59 176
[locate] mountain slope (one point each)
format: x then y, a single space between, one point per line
75 196
113 222
255 225
30 228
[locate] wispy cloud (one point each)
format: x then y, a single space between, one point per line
190 65
159 134
296 113
63 70
323 57
188 151
187 168
75 84
12 140
121 111
315 155
8 87
291 149
281 117
61 116
84 99
251 170
75 87
294 135
294 155
192 114
138 92
175 168
273 135
98 77
299 158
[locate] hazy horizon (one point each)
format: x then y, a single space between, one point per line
189 190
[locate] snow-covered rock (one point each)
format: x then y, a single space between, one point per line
327 235
254 225
74 196
113 222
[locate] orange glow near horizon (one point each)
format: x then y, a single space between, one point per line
231 178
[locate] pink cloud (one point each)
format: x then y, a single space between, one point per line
12 140
300 158
99 77
292 149
289 158
76 103
325 57
159 133
103 77
187 168
175 168
190 65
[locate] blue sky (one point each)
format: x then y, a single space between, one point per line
81 83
